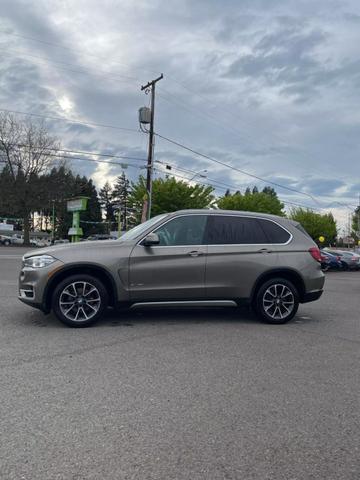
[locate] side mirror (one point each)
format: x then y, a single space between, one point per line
151 239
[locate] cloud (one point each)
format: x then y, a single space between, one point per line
267 86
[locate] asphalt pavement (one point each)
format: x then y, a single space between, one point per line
193 394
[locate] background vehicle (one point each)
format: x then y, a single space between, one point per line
191 257
5 240
349 260
330 261
100 236
61 240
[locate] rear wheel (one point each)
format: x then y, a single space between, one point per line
277 301
79 300
7 243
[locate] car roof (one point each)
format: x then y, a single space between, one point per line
208 211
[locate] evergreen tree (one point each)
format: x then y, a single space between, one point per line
121 195
107 202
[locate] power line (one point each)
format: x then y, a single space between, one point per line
83 152
235 168
96 160
70 120
226 184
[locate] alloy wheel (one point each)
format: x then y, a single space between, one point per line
79 301
278 301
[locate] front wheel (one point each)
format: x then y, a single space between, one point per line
277 301
79 300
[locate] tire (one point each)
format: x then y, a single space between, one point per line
7 243
277 290
88 296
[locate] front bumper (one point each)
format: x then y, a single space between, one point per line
39 306
32 285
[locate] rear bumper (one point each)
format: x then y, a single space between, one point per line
311 296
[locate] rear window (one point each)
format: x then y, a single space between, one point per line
273 232
233 230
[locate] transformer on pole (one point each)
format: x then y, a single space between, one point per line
146 116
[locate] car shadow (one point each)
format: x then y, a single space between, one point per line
169 316
153 316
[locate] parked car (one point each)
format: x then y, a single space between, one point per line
191 257
5 240
101 236
349 260
60 241
330 261
18 239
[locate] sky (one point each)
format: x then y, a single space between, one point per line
268 87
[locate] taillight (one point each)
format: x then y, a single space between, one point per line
315 253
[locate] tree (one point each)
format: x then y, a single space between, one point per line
316 224
270 191
121 197
26 150
252 202
356 224
107 202
169 195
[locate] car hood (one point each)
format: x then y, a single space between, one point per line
77 250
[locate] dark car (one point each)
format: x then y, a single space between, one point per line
330 261
349 260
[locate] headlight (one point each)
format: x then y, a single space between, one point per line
39 261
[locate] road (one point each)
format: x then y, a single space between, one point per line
194 394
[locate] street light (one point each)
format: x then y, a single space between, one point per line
199 174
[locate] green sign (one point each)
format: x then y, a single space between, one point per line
76 205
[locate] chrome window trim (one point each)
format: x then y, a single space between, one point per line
218 244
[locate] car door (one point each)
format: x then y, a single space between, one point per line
174 269
238 253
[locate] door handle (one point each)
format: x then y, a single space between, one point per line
264 250
195 253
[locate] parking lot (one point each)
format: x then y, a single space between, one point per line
193 394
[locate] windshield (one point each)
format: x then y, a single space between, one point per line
139 229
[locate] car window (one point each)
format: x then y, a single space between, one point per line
226 230
186 230
139 229
273 232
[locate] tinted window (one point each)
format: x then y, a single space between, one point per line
187 230
274 233
142 227
225 230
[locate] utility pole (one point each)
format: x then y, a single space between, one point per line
53 222
150 87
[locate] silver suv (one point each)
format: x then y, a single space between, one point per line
190 257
